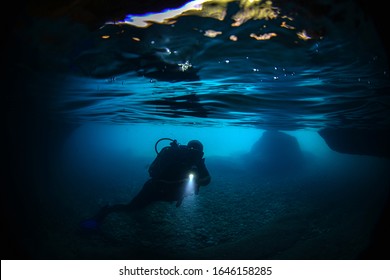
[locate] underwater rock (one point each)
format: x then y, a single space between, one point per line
358 141
275 153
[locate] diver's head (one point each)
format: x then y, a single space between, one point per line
196 145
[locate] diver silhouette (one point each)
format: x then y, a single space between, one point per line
177 171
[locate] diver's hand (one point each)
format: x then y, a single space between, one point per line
200 163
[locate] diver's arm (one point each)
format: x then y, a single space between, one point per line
204 177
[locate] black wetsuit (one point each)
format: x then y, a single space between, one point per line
169 174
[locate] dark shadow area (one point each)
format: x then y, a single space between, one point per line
277 201
372 142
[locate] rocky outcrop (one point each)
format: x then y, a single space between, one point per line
358 141
275 153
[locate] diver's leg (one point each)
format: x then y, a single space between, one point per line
142 199
106 210
94 223
146 196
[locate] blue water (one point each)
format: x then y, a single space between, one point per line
339 79
90 103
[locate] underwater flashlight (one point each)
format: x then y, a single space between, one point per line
190 185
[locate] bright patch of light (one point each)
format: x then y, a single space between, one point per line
163 17
303 35
190 185
184 66
249 10
212 33
265 36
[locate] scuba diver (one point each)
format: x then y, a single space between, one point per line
177 171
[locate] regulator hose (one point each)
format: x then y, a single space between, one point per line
158 141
